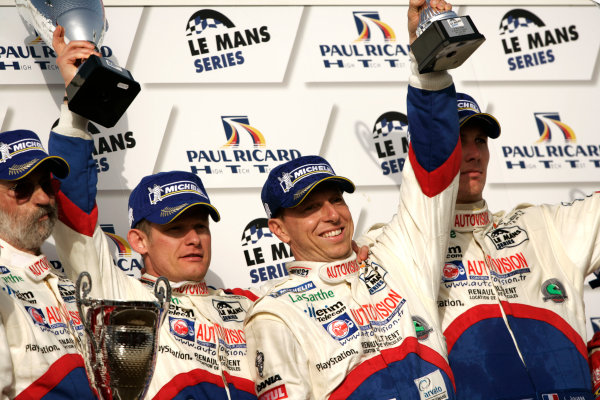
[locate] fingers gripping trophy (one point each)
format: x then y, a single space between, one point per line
444 40
122 338
101 91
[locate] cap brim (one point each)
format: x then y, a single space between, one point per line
345 184
210 208
57 165
491 124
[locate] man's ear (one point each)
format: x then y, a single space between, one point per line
138 241
277 226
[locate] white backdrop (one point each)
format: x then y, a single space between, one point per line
300 80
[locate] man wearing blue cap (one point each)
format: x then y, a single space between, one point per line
40 331
511 298
337 329
202 348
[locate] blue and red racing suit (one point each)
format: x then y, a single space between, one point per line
347 331
202 350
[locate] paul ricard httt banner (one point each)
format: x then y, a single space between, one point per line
26 59
547 136
536 43
220 44
235 141
360 43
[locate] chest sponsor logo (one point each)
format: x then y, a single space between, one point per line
182 328
373 277
554 290
422 328
10 278
27 297
319 295
380 313
471 220
278 392
67 292
504 267
454 271
176 311
267 382
336 359
4 270
230 310
342 270
328 312
454 252
507 237
341 327
432 386
37 316
296 289
299 271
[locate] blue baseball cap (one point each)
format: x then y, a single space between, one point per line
289 183
469 110
21 151
162 197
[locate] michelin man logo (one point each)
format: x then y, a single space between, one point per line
155 195
260 362
4 152
286 182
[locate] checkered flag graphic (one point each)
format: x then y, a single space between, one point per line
254 233
198 25
511 24
383 127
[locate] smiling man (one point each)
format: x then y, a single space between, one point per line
337 329
202 348
40 329
511 298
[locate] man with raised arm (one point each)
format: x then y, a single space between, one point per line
337 329
202 348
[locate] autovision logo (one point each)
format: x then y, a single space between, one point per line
264 253
390 137
375 47
556 147
244 152
215 43
35 54
528 42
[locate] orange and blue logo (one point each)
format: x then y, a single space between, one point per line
236 126
368 23
550 127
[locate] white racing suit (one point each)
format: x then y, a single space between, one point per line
344 331
511 300
40 331
202 348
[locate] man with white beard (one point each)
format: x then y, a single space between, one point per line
40 329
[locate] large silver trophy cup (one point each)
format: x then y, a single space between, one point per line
101 91
122 339
444 40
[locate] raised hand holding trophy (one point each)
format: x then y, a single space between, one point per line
101 90
444 40
122 339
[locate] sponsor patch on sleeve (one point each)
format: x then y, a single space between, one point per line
432 386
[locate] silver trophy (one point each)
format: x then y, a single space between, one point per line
444 40
101 91
122 339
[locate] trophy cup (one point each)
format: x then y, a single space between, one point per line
122 339
444 40
101 90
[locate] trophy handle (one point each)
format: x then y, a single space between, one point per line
428 15
162 291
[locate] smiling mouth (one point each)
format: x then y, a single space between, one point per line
329 234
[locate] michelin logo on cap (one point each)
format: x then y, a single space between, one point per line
18 147
289 179
155 193
467 105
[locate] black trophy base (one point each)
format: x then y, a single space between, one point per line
446 44
101 91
